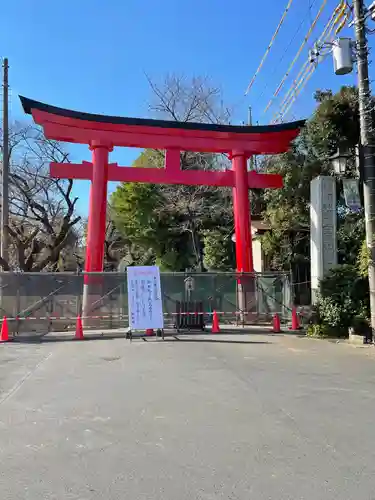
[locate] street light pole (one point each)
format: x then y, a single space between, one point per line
368 167
5 174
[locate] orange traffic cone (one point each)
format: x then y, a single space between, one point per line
149 332
295 320
4 335
79 329
215 323
276 328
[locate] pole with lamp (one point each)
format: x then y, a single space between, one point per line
340 162
343 64
342 51
367 166
4 243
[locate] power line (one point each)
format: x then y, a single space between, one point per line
304 68
291 92
301 86
288 47
305 40
310 12
307 77
304 74
298 89
270 45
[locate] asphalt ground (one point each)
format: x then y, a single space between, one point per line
207 417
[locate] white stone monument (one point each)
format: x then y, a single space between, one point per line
323 222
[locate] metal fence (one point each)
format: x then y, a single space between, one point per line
37 303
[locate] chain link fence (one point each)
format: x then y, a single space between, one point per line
38 303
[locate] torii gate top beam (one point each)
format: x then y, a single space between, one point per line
85 128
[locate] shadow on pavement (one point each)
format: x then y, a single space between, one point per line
52 339
216 341
169 337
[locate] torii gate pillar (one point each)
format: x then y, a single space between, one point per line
97 208
241 209
97 216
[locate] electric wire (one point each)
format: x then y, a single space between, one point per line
304 68
269 46
312 67
287 48
295 59
305 40
295 83
310 12
322 39
298 89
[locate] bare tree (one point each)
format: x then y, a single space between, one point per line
188 100
195 208
43 220
115 246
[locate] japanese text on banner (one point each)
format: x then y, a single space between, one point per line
144 298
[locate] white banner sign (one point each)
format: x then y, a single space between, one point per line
144 298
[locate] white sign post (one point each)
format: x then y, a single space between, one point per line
144 298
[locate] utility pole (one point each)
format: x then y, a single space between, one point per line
249 116
5 172
250 122
367 144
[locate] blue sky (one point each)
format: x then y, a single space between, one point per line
92 55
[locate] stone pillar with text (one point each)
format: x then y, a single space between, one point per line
323 229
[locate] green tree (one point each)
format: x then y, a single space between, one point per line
334 122
219 251
350 237
171 220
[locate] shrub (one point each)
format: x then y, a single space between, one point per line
343 294
363 260
361 326
325 331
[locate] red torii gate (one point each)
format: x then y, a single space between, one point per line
101 133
